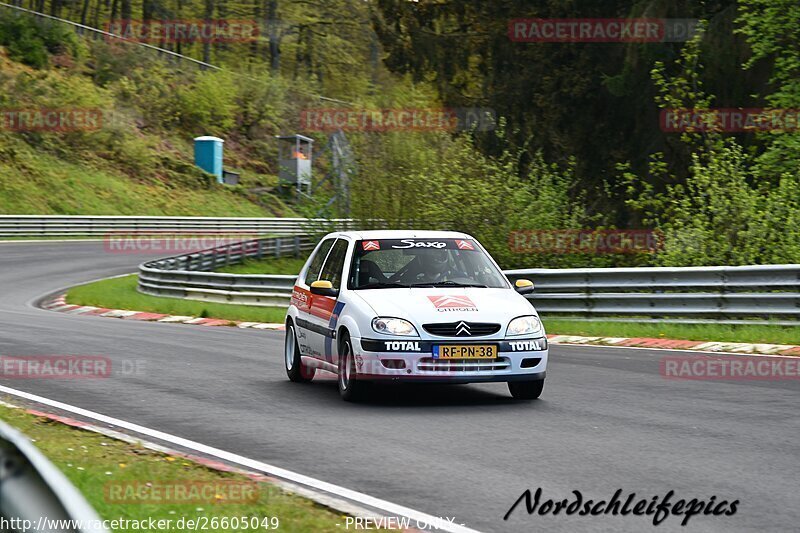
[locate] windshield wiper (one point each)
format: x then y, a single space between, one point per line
383 285
447 284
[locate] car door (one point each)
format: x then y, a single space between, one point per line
302 299
324 310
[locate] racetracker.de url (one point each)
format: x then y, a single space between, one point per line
199 523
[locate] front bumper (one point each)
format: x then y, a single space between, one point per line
403 360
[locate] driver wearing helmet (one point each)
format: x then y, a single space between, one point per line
430 266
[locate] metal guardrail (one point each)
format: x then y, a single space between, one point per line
730 294
114 226
33 491
188 276
724 293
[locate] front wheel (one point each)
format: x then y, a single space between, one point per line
350 388
526 390
295 368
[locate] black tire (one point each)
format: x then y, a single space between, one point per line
526 390
351 389
295 369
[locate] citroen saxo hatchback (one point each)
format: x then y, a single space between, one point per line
412 305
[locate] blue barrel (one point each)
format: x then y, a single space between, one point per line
208 155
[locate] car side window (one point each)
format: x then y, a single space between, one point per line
332 271
312 274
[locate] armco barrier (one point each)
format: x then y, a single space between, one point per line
34 491
188 276
765 292
109 226
723 292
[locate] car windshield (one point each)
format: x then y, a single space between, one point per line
400 263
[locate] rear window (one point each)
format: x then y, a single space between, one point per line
397 263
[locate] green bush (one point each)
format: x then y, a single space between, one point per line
31 41
724 214
443 182
208 106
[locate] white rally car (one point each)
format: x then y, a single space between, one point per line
412 305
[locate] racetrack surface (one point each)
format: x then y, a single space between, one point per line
606 421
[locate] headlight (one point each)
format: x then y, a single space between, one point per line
524 325
394 326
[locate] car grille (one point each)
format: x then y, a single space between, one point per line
429 364
462 329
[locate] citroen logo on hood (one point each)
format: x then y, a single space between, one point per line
462 328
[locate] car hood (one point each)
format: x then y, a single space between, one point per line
436 304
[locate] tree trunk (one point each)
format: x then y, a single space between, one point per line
256 16
271 24
96 15
222 14
179 15
147 9
126 12
85 11
209 15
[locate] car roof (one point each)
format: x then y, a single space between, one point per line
400 234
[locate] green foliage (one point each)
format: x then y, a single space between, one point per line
208 106
154 94
32 41
571 114
444 182
589 101
771 29
721 215
263 104
729 210
706 220
34 183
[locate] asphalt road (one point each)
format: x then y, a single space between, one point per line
606 421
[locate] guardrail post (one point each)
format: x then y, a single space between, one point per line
260 251
297 245
278 247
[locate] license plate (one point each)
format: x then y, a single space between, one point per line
465 351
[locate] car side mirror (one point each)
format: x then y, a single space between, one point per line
324 288
523 286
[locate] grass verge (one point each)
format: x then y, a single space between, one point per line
693 332
98 465
121 293
283 265
37 183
